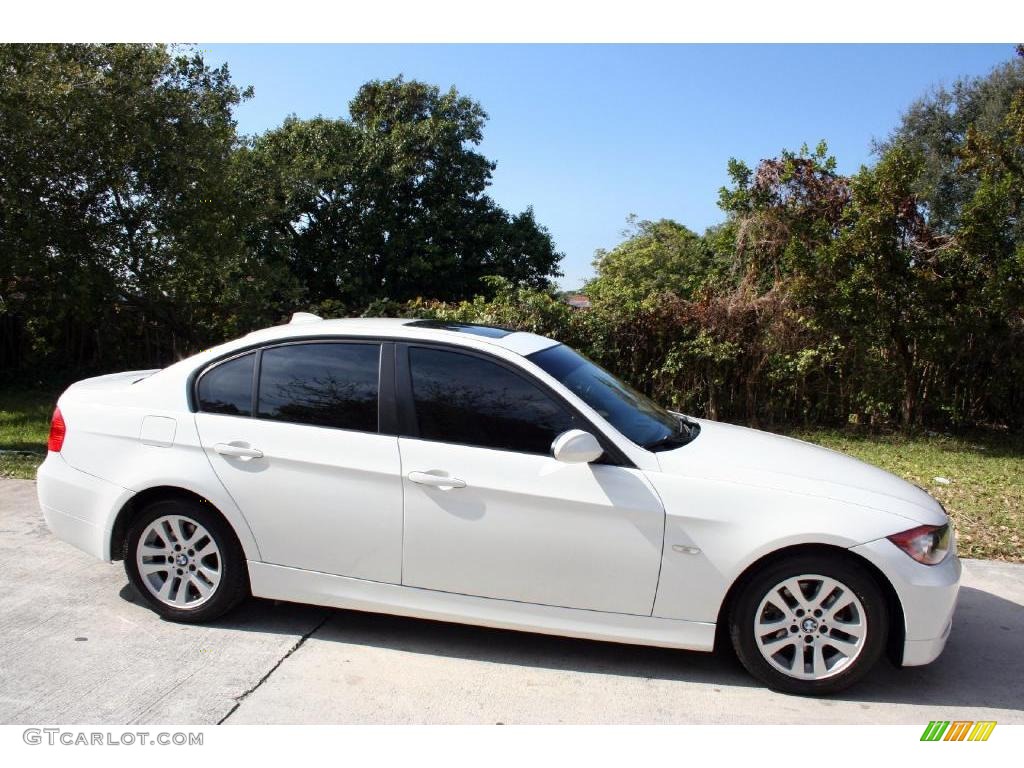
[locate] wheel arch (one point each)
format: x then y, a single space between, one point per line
894 608
139 501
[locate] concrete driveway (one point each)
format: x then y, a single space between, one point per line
77 646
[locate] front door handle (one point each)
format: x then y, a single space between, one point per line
436 480
238 451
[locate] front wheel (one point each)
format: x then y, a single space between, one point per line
810 625
185 561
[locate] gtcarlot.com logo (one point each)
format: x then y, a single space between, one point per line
958 730
79 738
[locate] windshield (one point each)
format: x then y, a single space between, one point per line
635 415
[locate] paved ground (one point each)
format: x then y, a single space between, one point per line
76 646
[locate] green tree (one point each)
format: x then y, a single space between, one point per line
783 213
391 203
116 195
970 190
885 268
990 273
656 257
935 127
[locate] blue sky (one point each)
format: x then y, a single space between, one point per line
588 134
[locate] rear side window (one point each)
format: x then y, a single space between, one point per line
326 385
227 388
464 399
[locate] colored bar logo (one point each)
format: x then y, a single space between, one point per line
958 730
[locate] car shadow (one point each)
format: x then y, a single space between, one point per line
526 649
981 666
473 643
269 617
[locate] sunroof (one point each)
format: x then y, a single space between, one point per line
491 331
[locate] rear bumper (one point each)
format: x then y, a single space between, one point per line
79 508
927 594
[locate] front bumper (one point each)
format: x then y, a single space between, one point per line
927 594
919 652
78 507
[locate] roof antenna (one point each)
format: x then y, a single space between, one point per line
301 318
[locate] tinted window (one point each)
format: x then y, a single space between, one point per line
464 399
227 388
328 385
633 414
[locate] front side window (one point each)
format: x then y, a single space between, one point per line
322 384
465 399
227 388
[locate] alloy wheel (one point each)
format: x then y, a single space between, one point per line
179 561
810 627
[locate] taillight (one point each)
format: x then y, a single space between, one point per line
928 544
57 432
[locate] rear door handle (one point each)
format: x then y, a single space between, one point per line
434 480
238 451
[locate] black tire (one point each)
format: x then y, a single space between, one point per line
233 586
844 570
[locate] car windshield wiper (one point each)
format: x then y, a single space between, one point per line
680 436
685 433
668 441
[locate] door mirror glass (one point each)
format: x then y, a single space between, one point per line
576 447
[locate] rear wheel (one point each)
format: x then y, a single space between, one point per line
185 561
810 625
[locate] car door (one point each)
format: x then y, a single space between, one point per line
292 432
489 511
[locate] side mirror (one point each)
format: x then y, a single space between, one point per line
576 447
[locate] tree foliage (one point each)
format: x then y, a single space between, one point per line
656 256
137 225
935 127
390 204
894 295
115 191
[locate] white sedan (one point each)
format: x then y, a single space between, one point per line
473 474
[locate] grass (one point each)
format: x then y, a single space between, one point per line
24 427
984 496
985 492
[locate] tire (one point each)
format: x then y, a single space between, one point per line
185 561
786 641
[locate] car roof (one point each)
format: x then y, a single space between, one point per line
466 334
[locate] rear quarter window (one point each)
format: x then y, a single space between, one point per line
227 388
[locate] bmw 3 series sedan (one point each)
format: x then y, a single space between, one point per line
474 474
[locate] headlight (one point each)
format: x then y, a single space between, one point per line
928 544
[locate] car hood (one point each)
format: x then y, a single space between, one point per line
729 453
